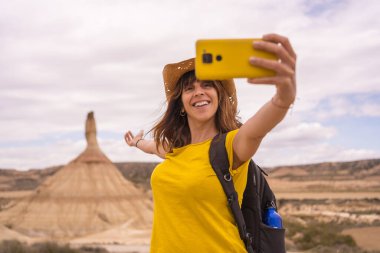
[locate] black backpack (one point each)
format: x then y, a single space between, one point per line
257 237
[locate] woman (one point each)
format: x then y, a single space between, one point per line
190 208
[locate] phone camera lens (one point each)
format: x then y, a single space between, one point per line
218 57
207 58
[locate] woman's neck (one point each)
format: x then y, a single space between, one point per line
202 131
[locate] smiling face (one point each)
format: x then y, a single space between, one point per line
200 101
208 105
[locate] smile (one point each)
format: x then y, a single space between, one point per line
201 103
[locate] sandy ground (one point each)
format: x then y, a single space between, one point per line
281 185
367 238
15 194
120 248
117 240
120 235
280 194
327 195
122 240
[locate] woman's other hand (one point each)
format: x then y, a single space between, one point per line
131 139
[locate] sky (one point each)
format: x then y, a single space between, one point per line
60 60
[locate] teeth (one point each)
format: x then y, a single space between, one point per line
201 103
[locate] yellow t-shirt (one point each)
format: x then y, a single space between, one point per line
191 213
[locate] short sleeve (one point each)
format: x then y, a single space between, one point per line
229 140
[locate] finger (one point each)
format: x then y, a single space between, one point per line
128 136
277 50
278 67
264 80
280 82
276 38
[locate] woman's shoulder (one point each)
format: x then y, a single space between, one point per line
230 135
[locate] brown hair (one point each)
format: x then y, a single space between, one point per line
172 130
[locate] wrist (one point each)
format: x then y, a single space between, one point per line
279 103
138 142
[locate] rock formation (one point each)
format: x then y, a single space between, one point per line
87 196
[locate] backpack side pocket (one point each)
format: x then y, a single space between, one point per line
272 239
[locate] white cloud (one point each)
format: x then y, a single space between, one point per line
41 156
299 135
370 110
352 105
320 152
62 152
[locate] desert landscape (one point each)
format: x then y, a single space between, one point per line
94 205
327 207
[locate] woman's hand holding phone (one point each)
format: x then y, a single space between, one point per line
284 67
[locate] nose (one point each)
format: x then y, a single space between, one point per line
198 90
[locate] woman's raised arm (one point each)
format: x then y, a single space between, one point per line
251 133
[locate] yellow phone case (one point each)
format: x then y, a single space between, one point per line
219 59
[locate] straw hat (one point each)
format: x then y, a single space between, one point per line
173 72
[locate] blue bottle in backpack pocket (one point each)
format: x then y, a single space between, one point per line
272 218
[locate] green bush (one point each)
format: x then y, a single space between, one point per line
323 235
317 234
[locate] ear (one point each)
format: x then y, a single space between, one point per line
182 113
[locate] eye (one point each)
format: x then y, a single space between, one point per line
188 88
208 84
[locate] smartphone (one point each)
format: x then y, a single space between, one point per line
220 59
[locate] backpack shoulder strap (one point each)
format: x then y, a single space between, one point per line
259 187
219 161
